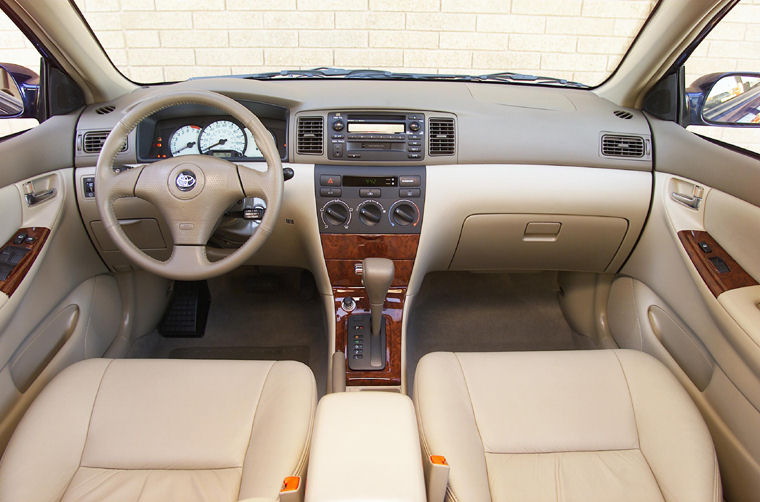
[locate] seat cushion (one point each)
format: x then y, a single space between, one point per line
163 430
571 426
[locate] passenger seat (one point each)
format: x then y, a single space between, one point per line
573 426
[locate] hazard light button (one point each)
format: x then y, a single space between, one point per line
329 180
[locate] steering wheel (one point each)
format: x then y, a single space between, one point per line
191 192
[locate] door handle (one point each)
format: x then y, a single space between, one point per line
691 201
33 198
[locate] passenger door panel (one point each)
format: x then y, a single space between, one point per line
675 301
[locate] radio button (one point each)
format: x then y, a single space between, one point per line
414 136
415 143
330 192
409 181
408 192
329 180
414 156
369 192
415 149
338 136
354 156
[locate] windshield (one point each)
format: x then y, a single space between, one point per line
168 40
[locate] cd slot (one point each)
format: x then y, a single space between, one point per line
374 146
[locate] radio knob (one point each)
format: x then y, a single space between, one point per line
370 213
335 213
404 214
338 125
414 126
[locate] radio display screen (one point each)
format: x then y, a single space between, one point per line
370 181
376 128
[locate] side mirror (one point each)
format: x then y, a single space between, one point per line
19 91
724 99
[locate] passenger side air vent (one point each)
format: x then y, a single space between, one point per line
617 145
103 110
441 136
310 135
622 114
92 141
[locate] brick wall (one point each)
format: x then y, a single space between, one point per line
157 40
583 40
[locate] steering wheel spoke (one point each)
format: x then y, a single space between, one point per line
188 262
121 184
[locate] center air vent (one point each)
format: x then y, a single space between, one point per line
310 134
92 141
618 145
441 136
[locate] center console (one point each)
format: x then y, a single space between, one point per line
369 212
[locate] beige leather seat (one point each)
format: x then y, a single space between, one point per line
610 425
162 430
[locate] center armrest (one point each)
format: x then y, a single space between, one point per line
365 446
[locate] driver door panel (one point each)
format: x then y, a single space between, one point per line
58 306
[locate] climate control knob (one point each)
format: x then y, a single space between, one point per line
370 213
404 213
335 213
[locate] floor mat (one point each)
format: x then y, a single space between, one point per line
256 313
294 353
469 312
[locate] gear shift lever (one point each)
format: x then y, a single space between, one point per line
377 275
366 332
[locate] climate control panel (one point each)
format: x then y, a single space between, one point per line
376 200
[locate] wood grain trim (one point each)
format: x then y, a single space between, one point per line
18 273
342 273
393 312
360 246
716 282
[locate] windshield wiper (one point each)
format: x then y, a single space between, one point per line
508 76
327 72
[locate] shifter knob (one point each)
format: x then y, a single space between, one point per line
377 275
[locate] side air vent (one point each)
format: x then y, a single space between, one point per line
441 136
622 114
617 145
310 135
92 141
103 110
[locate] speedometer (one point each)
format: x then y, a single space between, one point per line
223 138
184 141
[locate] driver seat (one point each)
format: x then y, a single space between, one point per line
158 430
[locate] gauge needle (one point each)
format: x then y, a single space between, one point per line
189 145
220 142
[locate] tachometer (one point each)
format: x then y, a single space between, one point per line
223 139
184 141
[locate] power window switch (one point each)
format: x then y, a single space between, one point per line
20 238
720 265
705 247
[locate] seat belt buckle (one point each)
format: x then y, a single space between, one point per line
436 477
292 489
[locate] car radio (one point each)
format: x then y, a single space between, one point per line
385 137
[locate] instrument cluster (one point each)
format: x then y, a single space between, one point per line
218 136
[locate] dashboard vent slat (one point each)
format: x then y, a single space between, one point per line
622 114
441 136
618 145
103 110
92 141
310 135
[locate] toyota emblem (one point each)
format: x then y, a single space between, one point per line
185 181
